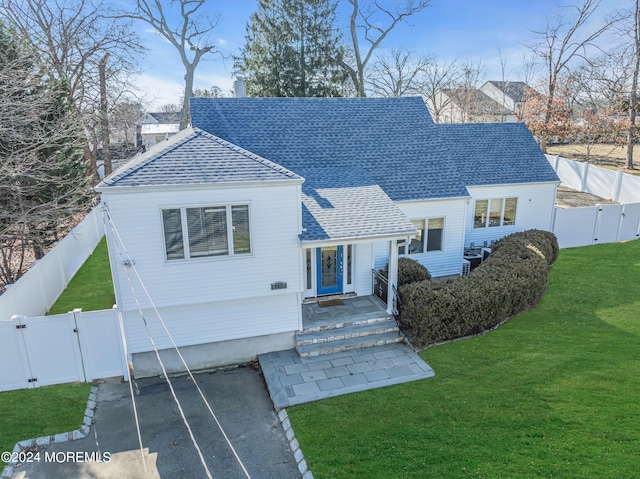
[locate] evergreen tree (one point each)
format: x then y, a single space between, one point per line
293 49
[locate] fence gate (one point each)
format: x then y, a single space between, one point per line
48 350
607 225
629 228
14 373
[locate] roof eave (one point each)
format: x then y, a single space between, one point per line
357 239
549 182
199 186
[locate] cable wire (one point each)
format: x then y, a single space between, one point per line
126 362
155 309
157 353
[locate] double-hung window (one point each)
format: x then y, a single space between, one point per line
495 212
221 230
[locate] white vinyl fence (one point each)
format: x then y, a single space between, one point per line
601 223
38 289
62 348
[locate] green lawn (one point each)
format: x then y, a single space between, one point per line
552 393
30 413
91 288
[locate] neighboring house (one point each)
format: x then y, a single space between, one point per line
231 224
468 105
154 128
511 95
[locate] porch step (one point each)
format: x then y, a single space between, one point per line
347 336
368 328
331 347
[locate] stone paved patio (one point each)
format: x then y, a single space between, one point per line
352 308
293 380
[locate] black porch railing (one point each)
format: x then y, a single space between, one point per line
380 286
381 290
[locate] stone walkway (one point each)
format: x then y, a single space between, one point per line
294 380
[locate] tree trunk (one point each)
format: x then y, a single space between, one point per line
633 100
185 118
104 117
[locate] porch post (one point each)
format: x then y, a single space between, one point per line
393 275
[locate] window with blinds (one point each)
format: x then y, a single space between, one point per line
206 231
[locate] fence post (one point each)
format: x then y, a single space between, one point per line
597 225
617 187
83 361
556 163
585 174
18 320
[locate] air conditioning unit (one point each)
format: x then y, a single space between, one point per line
466 267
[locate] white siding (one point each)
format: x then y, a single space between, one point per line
212 322
192 292
439 263
535 208
380 254
362 269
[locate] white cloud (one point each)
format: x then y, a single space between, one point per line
158 91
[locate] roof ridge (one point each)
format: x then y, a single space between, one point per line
249 154
134 165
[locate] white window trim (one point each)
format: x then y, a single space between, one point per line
488 212
425 238
444 228
185 232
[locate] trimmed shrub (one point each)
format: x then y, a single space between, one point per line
544 241
409 271
513 279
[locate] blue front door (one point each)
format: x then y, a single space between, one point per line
329 267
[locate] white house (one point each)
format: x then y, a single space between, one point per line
267 202
494 101
465 105
156 127
510 94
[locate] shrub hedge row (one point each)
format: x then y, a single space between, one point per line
513 279
409 271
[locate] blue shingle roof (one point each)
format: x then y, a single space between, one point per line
393 139
495 153
196 157
345 203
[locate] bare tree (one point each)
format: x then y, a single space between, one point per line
190 34
398 74
563 40
467 93
42 178
104 116
439 76
72 38
123 117
375 21
633 94
602 81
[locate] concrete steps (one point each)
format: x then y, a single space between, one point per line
347 336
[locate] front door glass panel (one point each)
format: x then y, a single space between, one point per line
329 265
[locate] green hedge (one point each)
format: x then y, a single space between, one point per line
409 271
513 279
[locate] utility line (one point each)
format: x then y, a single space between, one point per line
184 363
126 362
164 371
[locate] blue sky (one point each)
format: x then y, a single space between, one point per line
475 30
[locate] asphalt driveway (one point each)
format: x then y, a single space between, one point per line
237 396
